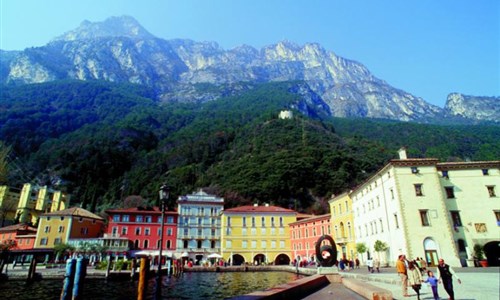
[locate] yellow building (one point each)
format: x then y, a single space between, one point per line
342 223
256 235
26 205
72 223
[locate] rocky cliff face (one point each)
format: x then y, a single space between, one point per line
473 107
119 49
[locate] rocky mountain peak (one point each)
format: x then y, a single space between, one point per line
473 107
124 26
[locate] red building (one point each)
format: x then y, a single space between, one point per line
23 235
142 227
304 235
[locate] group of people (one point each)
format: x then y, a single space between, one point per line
411 274
373 264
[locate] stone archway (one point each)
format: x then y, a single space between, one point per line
259 259
237 260
282 259
492 252
431 255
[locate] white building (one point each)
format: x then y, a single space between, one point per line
406 205
199 225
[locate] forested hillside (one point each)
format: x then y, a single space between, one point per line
103 142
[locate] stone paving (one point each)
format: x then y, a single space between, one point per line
477 283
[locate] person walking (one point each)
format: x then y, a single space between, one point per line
369 264
414 278
433 282
401 269
376 265
445 274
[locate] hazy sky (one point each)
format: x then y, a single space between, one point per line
428 48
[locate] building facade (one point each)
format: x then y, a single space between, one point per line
141 226
27 204
305 233
257 235
406 206
199 228
58 227
342 222
23 235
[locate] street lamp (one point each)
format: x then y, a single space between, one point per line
164 193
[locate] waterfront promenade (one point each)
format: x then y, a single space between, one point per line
477 283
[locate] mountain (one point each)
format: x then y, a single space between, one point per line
119 49
473 107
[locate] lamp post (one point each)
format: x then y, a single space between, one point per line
164 193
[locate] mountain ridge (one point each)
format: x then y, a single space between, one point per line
119 49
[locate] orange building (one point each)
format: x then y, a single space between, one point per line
304 235
23 234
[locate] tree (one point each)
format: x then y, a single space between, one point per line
62 249
380 247
4 155
5 247
361 248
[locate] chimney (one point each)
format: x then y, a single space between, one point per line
256 204
402 153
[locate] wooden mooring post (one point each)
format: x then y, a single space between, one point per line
32 270
69 278
80 273
143 279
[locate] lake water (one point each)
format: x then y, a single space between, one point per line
189 286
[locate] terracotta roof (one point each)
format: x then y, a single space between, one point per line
75 212
468 165
16 227
261 209
313 219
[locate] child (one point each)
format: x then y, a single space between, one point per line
433 281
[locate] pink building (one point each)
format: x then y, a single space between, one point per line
23 235
142 227
304 235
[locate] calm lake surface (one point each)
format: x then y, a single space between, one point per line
189 286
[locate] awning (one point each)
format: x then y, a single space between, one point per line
153 253
214 255
185 254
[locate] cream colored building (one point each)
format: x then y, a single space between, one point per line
405 205
342 223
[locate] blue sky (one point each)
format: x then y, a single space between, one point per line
428 48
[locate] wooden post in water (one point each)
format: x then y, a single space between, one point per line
133 265
69 277
108 267
32 270
143 280
80 272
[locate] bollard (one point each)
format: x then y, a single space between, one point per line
108 267
32 270
143 283
68 279
133 265
80 272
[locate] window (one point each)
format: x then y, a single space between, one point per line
381 226
273 231
149 219
392 193
418 189
170 220
47 229
185 244
281 221
229 221
229 244
126 218
273 244
497 216
414 170
244 244
61 229
146 244
396 220
138 231
139 218
263 244
424 218
253 221
263 231
491 190
198 244
445 174
57 241
124 230
455 218
80 220
169 244
114 231
282 244
450 194
244 221
147 231
272 221
169 231
244 231
116 218
253 231
44 241
253 244
485 172
480 227
84 230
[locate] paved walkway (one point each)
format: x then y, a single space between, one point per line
477 283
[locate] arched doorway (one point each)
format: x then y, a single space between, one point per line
282 259
238 260
259 259
492 252
431 256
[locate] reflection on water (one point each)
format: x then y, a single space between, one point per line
189 286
